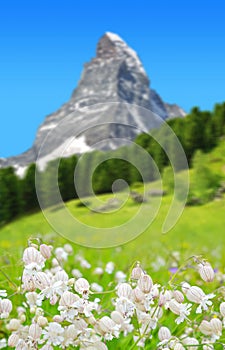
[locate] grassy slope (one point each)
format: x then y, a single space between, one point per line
200 230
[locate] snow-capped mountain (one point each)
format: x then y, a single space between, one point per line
102 106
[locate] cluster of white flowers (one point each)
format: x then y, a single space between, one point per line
57 307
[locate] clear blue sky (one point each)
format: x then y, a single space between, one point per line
44 44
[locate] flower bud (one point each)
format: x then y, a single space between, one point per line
195 294
174 306
164 333
124 290
162 299
205 327
35 331
145 284
53 299
178 296
13 325
190 341
13 340
216 325
138 295
68 248
5 308
58 319
185 287
106 324
32 255
136 273
46 250
82 286
222 309
42 321
68 299
42 280
117 317
206 272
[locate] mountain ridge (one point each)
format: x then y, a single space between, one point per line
115 75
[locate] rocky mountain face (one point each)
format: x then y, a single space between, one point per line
103 111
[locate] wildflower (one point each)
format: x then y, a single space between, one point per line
82 286
35 331
98 271
164 334
205 327
216 326
190 341
125 307
183 310
46 250
206 271
108 328
32 255
76 273
136 272
120 277
196 295
5 308
53 333
124 290
124 323
13 340
110 267
178 296
96 287
3 293
145 284
222 309
13 325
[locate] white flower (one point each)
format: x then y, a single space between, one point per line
3 293
53 333
164 333
124 290
120 276
32 255
178 296
82 286
35 331
76 273
45 251
206 271
110 266
145 283
125 306
98 271
205 327
108 328
190 341
61 254
124 323
217 327
13 340
95 287
222 309
196 295
5 308
183 310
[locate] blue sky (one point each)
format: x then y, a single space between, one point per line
44 44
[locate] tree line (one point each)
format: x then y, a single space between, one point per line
199 130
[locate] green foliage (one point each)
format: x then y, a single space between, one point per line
205 181
10 195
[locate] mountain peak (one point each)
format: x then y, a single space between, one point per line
116 74
112 46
